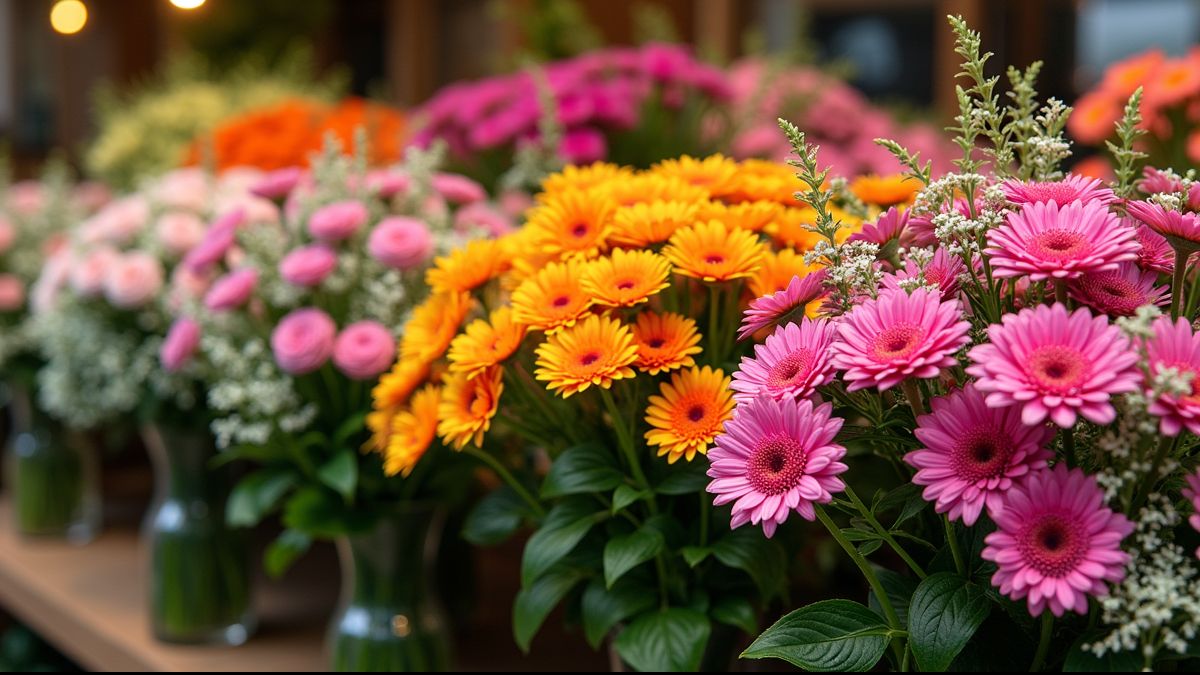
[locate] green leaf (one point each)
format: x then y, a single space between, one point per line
737 612
694 555
494 518
349 428
255 495
747 549
868 547
1079 661
906 500
341 473
669 640
624 552
684 478
945 612
535 601
855 534
624 495
586 468
565 525
899 589
284 550
603 607
827 636
319 513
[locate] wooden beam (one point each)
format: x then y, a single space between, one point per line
715 28
946 62
412 28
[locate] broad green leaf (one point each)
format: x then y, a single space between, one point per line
625 495
670 640
737 612
535 601
684 478
583 469
566 524
320 513
340 473
944 614
899 589
694 555
603 608
747 549
868 547
624 552
494 518
284 550
256 495
827 636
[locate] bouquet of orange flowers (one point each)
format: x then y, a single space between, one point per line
600 337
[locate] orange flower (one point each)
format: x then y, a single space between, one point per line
642 225
553 298
467 407
1123 77
582 178
777 271
412 432
792 227
665 342
762 180
690 412
753 216
647 188
713 252
486 343
468 267
1095 114
1174 82
626 278
596 352
572 223
433 325
885 191
717 174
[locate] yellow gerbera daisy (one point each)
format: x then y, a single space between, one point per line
791 229
665 342
711 251
647 187
753 216
885 191
625 278
394 387
690 412
595 352
777 271
582 178
572 223
433 325
467 407
642 225
716 173
762 180
468 267
484 344
553 298
413 431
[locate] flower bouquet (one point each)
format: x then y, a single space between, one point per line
1010 368
293 332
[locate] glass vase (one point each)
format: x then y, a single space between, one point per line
199 566
389 617
51 473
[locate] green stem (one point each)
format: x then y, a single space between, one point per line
887 536
625 441
1069 446
1060 293
952 541
1043 648
704 509
1165 447
509 479
1177 281
913 393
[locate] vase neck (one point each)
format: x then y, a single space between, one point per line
181 462
391 564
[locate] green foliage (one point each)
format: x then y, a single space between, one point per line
670 640
943 615
827 636
1124 154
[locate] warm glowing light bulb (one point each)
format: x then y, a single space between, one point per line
68 16
187 4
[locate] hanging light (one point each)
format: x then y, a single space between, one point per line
187 4
68 16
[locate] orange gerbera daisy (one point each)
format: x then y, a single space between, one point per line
595 352
468 406
885 191
468 267
394 387
626 278
1094 116
665 342
413 431
1176 81
777 271
712 251
753 216
582 178
642 225
433 325
484 344
690 412
762 180
792 227
572 223
553 298
646 188
717 174
1123 77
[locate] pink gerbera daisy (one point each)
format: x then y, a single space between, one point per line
782 305
1156 253
1182 230
791 364
943 271
1044 241
972 454
776 457
1175 346
1119 292
886 229
1057 365
1073 188
898 335
1056 542
1192 492
1154 181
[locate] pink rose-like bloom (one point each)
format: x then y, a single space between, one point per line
232 290
180 231
973 454
387 183
303 340
458 189
276 185
187 286
308 266
187 189
1174 345
1046 241
338 221
87 276
363 350
217 243
1055 365
483 216
791 364
1192 492
12 293
774 309
1073 188
899 335
1119 292
776 457
1182 230
1056 542
8 234
133 280
122 220
180 345
401 242
26 197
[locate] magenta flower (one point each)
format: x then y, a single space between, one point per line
1073 188
387 183
308 266
777 307
973 454
483 216
178 348
776 457
1057 365
886 229
232 290
943 271
337 221
1174 346
217 242
1192 492
898 335
303 340
458 189
1182 230
401 242
791 364
277 185
1119 292
1056 542
1046 241
583 145
363 350
1156 254
1154 181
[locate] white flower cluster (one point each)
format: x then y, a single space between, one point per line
1141 324
853 268
1168 200
252 394
1045 150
